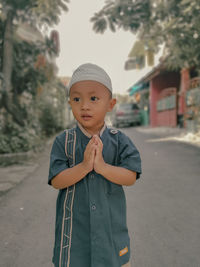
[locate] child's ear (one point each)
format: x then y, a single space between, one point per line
113 101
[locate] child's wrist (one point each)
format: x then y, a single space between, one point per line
85 168
103 169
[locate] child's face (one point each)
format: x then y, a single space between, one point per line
90 101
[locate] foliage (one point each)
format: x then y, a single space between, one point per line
38 12
52 107
28 68
45 117
126 14
174 23
26 76
48 11
14 138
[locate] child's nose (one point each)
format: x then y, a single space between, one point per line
85 105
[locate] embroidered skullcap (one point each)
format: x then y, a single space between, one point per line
90 72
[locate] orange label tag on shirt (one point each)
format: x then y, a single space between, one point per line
123 251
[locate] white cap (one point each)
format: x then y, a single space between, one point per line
90 72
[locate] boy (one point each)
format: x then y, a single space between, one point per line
91 198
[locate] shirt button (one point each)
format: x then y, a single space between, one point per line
92 176
93 207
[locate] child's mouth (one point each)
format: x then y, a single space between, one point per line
86 117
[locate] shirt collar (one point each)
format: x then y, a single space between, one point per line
89 135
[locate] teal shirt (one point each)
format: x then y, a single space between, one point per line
99 236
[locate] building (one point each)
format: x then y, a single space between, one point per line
172 97
162 87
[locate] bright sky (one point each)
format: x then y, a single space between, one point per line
80 44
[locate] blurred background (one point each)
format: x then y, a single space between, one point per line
151 50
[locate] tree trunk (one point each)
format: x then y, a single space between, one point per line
7 100
8 53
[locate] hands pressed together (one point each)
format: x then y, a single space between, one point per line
93 158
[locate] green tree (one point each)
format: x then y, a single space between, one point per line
26 74
17 58
174 23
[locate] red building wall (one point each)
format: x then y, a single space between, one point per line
168 115
157 85
167 118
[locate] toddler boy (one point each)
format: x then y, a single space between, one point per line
91 228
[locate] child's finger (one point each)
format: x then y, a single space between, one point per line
99 139
94 138
89 148
99 142
92 148
90 143
91 140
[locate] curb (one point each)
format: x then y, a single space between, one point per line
175 134
14 174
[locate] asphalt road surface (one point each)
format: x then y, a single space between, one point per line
163 209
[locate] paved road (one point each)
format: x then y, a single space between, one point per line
163 206
27 220
163 210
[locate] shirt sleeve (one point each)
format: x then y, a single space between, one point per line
58 158
129 156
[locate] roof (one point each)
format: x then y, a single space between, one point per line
144 81
154 72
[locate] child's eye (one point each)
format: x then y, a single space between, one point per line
76 99
94 98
